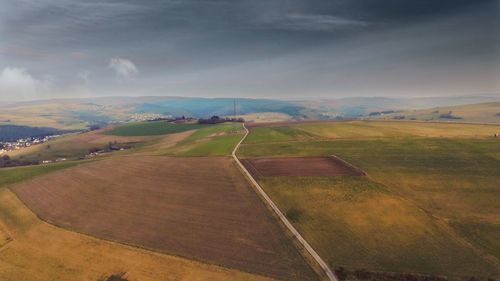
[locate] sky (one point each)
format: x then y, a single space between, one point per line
290 49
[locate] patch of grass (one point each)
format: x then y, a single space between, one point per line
487 235
277 134
217 146
152 128
216 140
213 130
293 214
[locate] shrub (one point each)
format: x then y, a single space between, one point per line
293 214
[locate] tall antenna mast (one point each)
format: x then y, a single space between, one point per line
234 103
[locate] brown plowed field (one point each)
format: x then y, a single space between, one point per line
201 208
299 166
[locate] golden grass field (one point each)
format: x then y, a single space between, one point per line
430 203
364 130
479 113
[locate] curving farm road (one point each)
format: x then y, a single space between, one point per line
328 272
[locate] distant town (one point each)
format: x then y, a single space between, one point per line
21 143
149 117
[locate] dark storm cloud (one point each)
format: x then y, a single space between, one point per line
248 47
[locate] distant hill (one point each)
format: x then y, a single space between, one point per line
82 113
362 106
202 107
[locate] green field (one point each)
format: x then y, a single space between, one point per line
152 128
429 205
12 175
214 140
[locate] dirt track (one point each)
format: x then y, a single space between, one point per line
200 208
299 166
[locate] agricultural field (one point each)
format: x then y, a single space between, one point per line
211 140
429 202
53 253
175 242
299 166
152 128
74 147
78 145
265 117
178 140
199 208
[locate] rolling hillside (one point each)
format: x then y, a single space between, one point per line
477 113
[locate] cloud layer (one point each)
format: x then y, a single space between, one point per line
253 48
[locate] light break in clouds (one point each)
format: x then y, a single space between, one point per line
124 68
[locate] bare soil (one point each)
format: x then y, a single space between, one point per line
299 166
200 208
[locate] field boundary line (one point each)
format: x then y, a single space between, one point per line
324 266
349 164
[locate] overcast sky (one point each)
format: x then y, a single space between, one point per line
250 48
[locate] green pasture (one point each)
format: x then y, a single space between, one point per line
430 203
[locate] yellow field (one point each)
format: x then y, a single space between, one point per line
481 112
40 251
355 223
428 205
372 129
